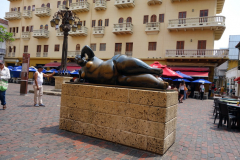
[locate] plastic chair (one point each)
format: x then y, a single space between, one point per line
205 95
196 94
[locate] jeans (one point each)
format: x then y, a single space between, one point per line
2 97
185 95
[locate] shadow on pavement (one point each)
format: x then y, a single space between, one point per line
103 144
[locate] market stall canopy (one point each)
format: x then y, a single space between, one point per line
166 71
74 73
179 80
71 66
237 79
190 69
184 75
201 81
164 78
196 74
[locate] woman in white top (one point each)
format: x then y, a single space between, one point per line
181 88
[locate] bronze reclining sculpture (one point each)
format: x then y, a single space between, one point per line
119 70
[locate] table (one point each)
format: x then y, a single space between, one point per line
238 114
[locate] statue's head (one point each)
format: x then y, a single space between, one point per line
86 55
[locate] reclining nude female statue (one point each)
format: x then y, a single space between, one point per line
119 70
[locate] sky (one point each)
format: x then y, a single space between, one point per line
230 10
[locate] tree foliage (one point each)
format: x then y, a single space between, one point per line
5 36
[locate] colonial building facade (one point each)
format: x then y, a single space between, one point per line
173 32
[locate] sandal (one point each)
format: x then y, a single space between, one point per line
4 107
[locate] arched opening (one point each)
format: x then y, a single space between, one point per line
48 5
41 26
100 22
46 27
120 20
129 19
153 18
78 47
64 2
29 8
43 5
27 29
10 49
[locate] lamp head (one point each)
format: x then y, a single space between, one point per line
74 28
57 20
79 24
61 28
53 24
71 20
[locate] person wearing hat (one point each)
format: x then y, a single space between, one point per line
202 89
4 76
37 85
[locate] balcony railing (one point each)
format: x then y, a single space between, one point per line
124 3
82 6
26 35
2 51
116 53
215 23
59 34
62 7
43 12
16 36
13 15
83 31
41 33
123 28
45 54
27 14
13 54
128 53
9 54
100 5
98 31
73 53
153 2
152 28
197 53
38 54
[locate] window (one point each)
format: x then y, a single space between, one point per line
31 29
84 23
43 5
153 18
129 47
58 3
25 49
25 8
145 19
120 20
102 46
100 22
129 19
27 29
106 22
10 49
16 29
180 47
93 46
202 47
39 48
45 48
41 27
46 27
29 8
10 30
64 2
57 48
152 46
161 17
18 9
23 28
118 47
70 1
33 7
13 29
78 47
182 16
93 23
203 13
48 5
14 49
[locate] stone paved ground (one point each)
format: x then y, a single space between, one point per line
28 132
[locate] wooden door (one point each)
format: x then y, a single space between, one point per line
202 47
181 17
180 47
203 13
118 47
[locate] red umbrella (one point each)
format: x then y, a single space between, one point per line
166 71
237 79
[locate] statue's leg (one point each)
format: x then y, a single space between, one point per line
143 80
133 66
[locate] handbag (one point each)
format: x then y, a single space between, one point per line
3 85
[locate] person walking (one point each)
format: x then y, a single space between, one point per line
4 76
181 88
202 90
37 85
222 90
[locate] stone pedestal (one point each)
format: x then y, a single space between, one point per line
144 119
59 80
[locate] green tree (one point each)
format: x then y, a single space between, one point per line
5 36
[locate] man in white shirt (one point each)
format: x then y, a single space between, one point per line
202 90
37 85
4 76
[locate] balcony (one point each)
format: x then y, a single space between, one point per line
2 51
13 54
152 28
83 31
27 14
116 53
197 53
9 54
98 32
16 36
100 5
123 28
73 54
124 4
38 54
45 54
12 15
26 35
59 34
128 53
79 7
43 12
41 33
153 2
62 7
215 23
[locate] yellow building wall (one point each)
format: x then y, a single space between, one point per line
232 64
165 39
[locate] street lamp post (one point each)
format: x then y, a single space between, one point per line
68 21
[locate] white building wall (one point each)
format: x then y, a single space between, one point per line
231 84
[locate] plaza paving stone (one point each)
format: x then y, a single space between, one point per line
28 132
